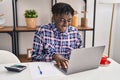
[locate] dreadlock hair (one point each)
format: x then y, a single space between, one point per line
62 8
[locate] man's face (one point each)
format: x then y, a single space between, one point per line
62 21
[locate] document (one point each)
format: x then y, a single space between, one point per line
43 69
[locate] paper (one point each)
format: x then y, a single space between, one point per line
48 69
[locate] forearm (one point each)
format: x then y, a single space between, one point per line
42 53
42 57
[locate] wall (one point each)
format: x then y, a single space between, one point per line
103 20
115 50
5 39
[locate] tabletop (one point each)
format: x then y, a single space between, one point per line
104 72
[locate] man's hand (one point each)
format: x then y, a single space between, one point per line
61 61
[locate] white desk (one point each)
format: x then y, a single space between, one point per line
110 72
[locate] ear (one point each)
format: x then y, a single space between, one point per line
53 18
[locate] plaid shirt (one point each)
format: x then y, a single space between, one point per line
49 41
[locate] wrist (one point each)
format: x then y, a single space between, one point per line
54 56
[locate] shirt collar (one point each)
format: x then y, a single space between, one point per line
57 31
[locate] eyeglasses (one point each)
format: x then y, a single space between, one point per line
64 20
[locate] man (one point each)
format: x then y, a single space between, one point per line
56 40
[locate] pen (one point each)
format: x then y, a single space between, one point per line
40 70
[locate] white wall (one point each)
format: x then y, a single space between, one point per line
115 50
103 20
90 8
5 39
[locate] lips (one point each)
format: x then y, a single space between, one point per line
64 26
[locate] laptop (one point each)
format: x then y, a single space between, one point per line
84 59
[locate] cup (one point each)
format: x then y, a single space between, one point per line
104 60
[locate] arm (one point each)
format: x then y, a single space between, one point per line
38 53
79 41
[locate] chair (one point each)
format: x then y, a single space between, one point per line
8 57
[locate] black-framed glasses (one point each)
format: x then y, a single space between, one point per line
62 20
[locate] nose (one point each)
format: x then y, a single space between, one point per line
66 22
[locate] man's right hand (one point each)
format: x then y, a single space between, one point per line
60 61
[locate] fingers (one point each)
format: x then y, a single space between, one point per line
59 65
64 64
61 61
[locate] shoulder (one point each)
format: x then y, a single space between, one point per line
45 27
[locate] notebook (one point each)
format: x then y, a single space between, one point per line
84 59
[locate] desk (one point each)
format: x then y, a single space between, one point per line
110 72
